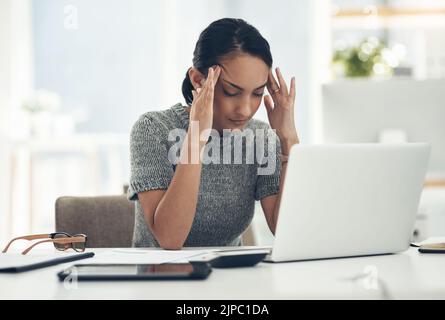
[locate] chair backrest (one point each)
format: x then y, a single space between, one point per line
107 221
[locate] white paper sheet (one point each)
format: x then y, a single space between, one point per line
431 240
141 256
118 255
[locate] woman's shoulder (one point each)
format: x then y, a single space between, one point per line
157 122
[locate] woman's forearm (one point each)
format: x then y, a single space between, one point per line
285 149
277 204
174 215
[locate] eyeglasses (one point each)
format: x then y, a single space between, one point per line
62 241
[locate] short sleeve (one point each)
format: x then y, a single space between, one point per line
150 166
268 181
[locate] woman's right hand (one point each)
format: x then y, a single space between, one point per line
202 106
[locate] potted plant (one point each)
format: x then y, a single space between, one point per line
369 58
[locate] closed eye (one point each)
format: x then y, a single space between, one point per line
230 94
235 94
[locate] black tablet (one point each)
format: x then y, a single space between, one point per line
166 271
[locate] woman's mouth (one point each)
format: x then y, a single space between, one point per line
239 121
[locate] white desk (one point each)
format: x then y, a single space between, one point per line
401 276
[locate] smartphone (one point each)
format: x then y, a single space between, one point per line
166 271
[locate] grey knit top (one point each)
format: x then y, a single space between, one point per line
227 191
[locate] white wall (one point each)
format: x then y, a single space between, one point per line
16 75
16 64
122 58
4 64
358 110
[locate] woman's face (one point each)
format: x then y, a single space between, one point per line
239 91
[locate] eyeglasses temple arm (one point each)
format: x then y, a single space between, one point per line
61 240
30 237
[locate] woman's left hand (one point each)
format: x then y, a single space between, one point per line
280 109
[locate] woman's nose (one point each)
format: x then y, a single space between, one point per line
244 109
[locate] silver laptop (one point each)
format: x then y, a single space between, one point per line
349 200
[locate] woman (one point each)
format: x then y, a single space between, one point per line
190 203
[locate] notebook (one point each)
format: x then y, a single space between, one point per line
16 262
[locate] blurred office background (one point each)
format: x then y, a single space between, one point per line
75 75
